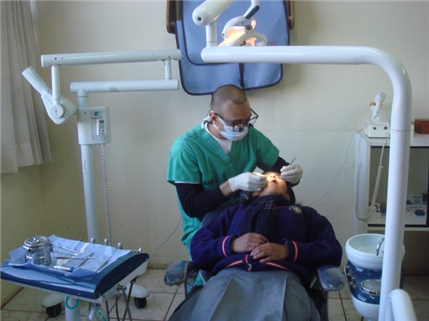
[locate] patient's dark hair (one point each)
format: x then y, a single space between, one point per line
227 93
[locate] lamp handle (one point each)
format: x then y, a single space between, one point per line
291 13
171 15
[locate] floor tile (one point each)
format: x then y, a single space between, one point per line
181 289
334 295
350 311
61 317
345 292
156 308
179 298
417 287
335 310
22 316
27 300
421 309
153 281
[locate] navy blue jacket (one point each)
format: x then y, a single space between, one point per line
310 238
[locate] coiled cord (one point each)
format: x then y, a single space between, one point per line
106 195
376 186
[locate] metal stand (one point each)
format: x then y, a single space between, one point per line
86 134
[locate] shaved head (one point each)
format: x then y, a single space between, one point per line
227 93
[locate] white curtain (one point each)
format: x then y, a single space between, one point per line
24 136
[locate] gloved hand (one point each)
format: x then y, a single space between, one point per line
291 173
250 182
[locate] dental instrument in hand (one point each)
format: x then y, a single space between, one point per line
291 173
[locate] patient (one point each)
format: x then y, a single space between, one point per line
281 244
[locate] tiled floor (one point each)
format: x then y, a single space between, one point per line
26 306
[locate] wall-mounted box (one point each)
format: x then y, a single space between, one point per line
421 126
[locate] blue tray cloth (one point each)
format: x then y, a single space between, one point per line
81 283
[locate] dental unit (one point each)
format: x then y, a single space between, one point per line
94 129
400 128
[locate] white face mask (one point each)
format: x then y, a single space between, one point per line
229 133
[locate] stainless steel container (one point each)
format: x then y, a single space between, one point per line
38 250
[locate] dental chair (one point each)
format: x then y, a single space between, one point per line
326 278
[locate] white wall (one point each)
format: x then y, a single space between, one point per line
311 115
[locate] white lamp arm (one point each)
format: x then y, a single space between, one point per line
60 109
34 79
209 10
254 7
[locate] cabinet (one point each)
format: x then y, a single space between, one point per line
369 154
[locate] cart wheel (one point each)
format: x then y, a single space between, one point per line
54 310
140 303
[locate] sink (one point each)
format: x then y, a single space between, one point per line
361 251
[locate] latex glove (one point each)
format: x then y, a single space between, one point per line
291 173
249 182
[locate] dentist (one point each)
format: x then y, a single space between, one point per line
212 161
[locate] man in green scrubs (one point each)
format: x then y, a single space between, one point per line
212 161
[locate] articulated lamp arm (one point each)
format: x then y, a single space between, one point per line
59 109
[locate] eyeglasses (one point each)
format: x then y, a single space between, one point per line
238 126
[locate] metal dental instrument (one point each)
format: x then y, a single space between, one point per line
65 248
102 265
291 162
64 268
69 258
377 250
86 259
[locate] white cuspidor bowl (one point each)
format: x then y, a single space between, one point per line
367 310
361 251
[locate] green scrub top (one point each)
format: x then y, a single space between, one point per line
196 157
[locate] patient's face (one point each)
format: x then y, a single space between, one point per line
275 186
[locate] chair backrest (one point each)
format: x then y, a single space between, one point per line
200 78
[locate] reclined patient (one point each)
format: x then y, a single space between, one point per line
280 244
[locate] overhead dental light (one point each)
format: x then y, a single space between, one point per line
239 31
